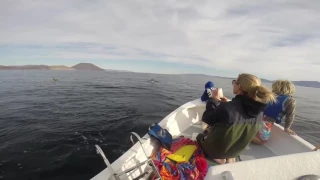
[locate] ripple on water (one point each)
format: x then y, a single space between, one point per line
48 130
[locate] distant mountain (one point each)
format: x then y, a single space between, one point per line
81 66
113 70
61 68
87 67
92 67
315 84
266 80
26 67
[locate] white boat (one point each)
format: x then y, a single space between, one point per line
282 157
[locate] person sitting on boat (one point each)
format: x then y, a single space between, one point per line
236 122
274 113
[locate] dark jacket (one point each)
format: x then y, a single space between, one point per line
234 123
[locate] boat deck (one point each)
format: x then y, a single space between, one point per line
252 151
281 150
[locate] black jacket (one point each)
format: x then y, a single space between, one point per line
234 123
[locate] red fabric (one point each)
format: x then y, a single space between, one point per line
179 142
196 169
202 166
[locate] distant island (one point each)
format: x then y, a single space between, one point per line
92 67
80 66
315 84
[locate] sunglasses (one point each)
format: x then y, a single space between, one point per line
234 82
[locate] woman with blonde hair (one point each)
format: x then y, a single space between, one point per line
274 113
236 122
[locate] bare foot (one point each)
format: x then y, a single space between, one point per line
220 161
231 160
258 141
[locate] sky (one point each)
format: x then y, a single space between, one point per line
271 39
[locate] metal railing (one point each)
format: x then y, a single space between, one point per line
149 161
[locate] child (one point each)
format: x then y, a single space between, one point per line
274 113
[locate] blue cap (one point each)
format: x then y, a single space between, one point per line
208 85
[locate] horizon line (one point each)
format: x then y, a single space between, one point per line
132 71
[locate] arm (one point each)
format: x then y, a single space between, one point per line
212 104
210 115
290 112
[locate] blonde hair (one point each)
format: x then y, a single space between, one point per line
283 87
251 86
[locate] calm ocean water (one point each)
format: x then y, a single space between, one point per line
48 129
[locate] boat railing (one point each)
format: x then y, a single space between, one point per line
149 161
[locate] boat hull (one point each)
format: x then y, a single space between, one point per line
186 120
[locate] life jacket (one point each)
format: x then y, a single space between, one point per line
275 110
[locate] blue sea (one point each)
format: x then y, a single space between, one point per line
48 128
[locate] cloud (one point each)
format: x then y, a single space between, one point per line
272 40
